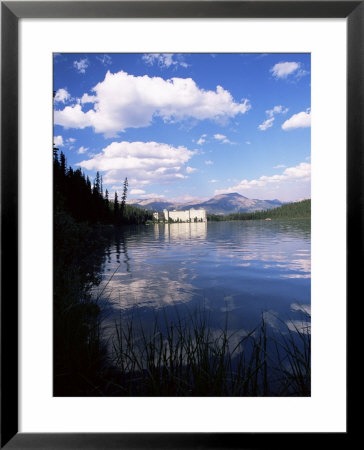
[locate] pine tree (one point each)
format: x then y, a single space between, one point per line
123 197
116 208
96 189
63 164
55 154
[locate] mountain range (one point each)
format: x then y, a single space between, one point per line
220 204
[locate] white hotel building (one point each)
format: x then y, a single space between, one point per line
190 215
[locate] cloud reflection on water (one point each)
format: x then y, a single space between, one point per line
239 268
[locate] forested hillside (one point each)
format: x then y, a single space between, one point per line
86 202
286 211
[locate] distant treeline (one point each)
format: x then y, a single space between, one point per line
290 210
86 202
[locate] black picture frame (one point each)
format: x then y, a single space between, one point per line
11 12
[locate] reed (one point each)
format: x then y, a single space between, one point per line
188 357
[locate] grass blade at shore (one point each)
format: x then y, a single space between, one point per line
188 356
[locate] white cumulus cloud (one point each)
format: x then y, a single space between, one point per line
271 113
164 60
219 137
222 138
81 65
276 110
124 101
88 99
82 150
142 162
283 69
293 180
58 141
62 95
190 169
266 124
299 120
202 139
137 192
73 117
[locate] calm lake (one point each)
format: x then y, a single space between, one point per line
237 271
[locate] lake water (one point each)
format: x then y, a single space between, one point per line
240 270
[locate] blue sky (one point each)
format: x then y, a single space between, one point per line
187 126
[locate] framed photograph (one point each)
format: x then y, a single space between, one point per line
182 251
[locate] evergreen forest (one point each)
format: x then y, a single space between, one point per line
296 210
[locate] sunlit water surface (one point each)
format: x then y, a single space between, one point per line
237 271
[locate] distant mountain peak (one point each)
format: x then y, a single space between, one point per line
230 202
229 194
